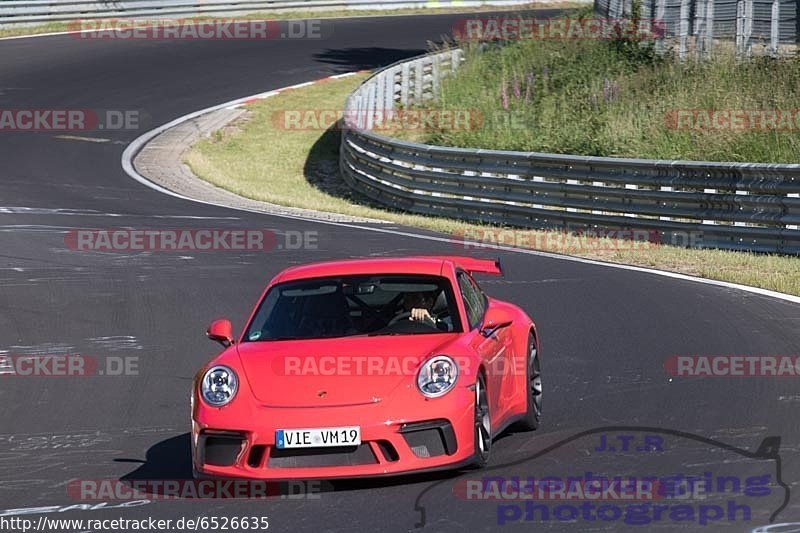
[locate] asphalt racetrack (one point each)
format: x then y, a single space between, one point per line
606 333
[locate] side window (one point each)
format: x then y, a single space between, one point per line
473 299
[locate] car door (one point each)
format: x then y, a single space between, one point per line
492 350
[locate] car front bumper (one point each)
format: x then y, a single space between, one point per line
433 434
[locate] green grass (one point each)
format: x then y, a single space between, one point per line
255 159
589 97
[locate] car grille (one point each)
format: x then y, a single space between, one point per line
430 439
321 457
220 449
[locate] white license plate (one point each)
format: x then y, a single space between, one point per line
318 437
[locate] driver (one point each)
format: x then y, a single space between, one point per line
419 305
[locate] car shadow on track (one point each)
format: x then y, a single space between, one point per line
168 459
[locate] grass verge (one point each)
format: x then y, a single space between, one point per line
58 27
255 159
616 98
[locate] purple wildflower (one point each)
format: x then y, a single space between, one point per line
529 86
504 95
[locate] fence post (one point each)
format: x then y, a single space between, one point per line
744 28
684 29
709 36
775 29
739 29
659 16
748 27
700 28
705 28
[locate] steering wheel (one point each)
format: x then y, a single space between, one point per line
406 314
379 313
402 316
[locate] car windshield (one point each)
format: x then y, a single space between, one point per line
349 306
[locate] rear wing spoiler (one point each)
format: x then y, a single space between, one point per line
473 265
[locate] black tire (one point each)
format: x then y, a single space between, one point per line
483 424
533 378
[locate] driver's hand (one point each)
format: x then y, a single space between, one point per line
420 315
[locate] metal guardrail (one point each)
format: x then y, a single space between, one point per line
742 206
28 12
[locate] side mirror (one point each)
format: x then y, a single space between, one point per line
221 331
494 320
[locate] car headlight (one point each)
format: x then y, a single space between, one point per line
219 386
437 376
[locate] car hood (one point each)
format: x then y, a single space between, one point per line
335 372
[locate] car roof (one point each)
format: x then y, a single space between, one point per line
432 266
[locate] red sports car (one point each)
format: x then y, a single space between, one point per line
364 368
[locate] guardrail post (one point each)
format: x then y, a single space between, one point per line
405 74
455 59
418 76
665 188
793 226
436 66
740 193
597 184
370 110
571 182
389 99
378 114
709 191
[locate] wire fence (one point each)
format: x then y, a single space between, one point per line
696 25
